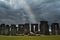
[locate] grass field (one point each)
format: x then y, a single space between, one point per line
42 37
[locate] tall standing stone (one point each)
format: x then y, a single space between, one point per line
13 29
20 29
26 28
55 28
2 29
7 30
44 27
34 28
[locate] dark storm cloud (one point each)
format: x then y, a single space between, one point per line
10 15
47 10
42 9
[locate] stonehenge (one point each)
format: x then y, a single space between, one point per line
24 29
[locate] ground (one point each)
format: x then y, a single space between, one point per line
42 37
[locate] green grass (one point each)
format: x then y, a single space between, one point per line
42 37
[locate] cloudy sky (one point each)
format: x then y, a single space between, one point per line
31 11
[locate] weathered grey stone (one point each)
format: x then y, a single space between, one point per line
7 29
13 29
44 27
26 29
2 28
20 29
32 34
34 28
55 28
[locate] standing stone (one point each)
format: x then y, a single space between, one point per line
7 30
20 29
13 29
26 29
2 29
44 27
34 28
55 28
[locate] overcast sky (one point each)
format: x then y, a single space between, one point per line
31 11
